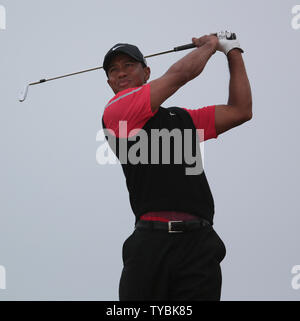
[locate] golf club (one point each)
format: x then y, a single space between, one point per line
24 91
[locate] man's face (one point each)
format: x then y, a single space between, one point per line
125 72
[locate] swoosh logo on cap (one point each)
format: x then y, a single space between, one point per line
116 47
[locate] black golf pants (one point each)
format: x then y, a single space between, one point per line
172 266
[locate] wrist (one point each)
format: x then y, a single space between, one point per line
212 46
235 52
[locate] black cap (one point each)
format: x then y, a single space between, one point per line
131 50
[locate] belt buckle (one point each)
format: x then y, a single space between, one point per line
170 227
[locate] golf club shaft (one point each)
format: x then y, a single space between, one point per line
184 47
179 48
54 78
175 49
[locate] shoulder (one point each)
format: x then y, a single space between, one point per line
204 119
131 105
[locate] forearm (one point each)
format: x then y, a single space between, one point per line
239 86
191 65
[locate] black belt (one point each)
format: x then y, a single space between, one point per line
172 226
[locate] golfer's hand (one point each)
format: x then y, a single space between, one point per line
225 43
207 39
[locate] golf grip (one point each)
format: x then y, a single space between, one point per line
191 45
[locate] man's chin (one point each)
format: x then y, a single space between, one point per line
121 88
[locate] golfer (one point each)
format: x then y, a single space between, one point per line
174 253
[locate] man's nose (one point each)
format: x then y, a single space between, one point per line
122 73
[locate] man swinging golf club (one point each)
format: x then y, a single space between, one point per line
174 253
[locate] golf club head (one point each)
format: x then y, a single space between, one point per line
23 93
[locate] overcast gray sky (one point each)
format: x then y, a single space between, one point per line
64 217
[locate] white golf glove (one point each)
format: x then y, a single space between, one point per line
227 42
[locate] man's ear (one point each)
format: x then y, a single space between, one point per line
109 83
147 72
